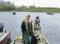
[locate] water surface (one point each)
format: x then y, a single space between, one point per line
50 24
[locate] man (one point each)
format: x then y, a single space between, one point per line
1 27
36 31
25 29
37 23
37 20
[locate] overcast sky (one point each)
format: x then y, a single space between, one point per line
1 0
41 3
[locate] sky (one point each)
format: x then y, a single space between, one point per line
40 3
1 0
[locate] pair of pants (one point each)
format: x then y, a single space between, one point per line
26 38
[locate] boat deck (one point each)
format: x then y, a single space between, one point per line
41 41
20 42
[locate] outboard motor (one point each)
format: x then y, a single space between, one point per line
1 27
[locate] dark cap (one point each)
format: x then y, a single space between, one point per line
28 15
37 16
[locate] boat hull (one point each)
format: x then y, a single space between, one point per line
5 38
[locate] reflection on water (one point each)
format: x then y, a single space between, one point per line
50 24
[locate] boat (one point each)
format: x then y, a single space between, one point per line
49 13
37 33
14 13
5 38
42 40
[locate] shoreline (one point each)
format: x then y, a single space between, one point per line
29 12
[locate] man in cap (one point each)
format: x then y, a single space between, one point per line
1 27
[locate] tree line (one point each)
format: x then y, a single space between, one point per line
7 6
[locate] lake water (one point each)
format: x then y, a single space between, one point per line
50 24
